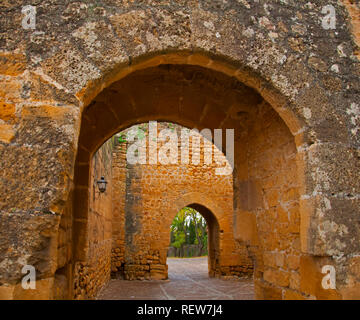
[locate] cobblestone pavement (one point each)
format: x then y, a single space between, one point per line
188 280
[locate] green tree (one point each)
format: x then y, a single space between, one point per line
188 227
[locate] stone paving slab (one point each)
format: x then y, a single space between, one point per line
188 280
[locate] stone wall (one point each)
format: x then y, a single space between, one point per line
272 171
118 197
69 85
147 200
91 275
353 8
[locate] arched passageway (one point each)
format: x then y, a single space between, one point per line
141 195
264 218
288 87
188 234
213 238
188 278
151 194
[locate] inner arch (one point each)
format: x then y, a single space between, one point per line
213 237
195 96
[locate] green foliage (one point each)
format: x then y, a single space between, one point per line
188 227
122 139
140 133
171 126
179 240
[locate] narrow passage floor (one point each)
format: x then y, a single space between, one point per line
188 280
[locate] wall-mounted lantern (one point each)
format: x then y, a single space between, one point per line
102 184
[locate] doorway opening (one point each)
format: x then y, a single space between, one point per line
195 232
256 208
188 235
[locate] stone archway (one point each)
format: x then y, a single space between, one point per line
218 228
49 84
197 96
214 256
147 197
214 230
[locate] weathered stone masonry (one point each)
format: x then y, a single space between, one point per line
134 215
90 276
91 69
148 196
